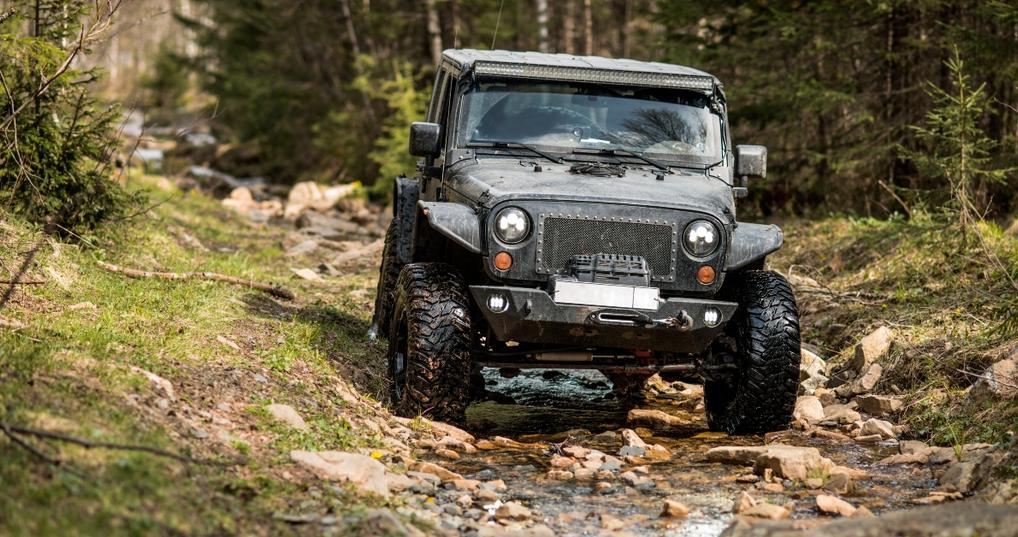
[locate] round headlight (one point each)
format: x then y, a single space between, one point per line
701 238
511 225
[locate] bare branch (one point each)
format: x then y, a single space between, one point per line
272 289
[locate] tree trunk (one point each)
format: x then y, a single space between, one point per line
434 32
588 28
542 25
569 28
351 34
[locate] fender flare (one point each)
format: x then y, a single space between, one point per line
453 220
405 194
752 242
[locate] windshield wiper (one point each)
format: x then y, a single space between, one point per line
623 153
516 145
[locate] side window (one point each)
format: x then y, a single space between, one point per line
437 105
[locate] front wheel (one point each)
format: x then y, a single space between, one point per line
429 343
762 341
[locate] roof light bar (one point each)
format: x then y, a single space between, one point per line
600 76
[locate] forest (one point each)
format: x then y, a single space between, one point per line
197 224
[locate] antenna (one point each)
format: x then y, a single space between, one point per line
498 21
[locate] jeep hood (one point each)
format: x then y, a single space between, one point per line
492 181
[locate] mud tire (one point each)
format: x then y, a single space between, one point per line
389 273
763 341
429 343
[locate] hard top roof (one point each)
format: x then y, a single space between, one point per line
465 58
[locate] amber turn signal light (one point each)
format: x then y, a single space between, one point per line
706 275
503 261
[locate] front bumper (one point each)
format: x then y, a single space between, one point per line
532 316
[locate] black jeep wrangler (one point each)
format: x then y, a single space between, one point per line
579 212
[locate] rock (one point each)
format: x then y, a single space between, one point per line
309 195
512 511
655 419
632 451
906 447
958 477
873 426
767 511
999 380
431 468
611 522
301 248
744 455
634 480
830 435
869 438
160 384
841 414
869 379
286 414
601 486
399 482
657 452
812 371
833 505
826 396
743 503
559 461
560 475
361 470
809 409
630 438
871 348
381 522
791 462
578 452
306 274
469 485
447 453
674 509
878 405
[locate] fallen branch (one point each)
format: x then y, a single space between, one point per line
271 288
11 430
22 282
987 378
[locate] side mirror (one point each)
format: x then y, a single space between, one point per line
424 139
751 161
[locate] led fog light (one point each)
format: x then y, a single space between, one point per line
498 303
711 317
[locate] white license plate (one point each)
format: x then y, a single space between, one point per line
607 295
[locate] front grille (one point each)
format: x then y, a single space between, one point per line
562 237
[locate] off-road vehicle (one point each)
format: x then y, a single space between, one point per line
579 212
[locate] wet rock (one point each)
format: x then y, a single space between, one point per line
601 486
744 455
559 461
560 475
868 438
873 426
583 474
632 451
287 415
630 438
833 505
830 435
512 511
443 474
657 452
674 509
878 405
743 503
361 470
999 380
655 419
791 462
767 511
634 480
809 409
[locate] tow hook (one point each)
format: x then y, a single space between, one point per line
681 322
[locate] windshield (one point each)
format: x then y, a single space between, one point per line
564 117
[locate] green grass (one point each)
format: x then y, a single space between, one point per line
945 296
71 371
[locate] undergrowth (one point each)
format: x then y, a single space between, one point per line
948 299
